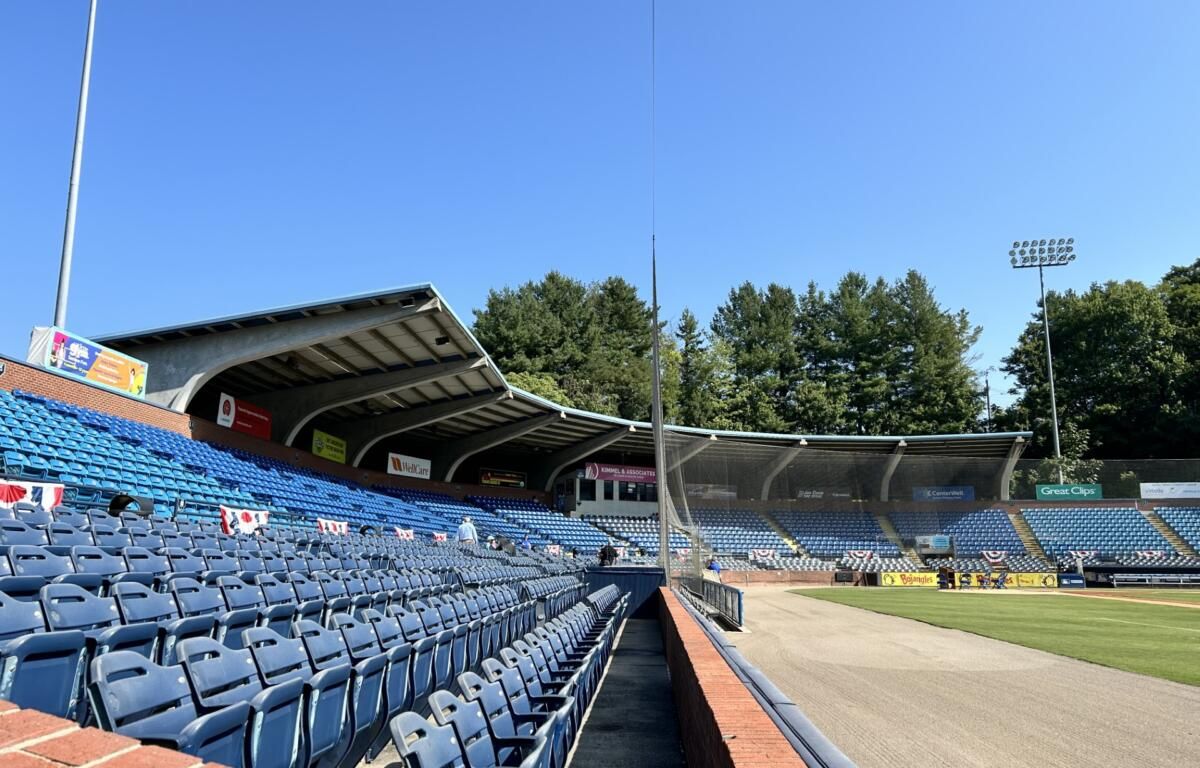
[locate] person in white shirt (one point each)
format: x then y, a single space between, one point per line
466 532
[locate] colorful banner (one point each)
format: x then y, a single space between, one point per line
619 472
47 496
860 554
409 466
328 446
405 534
944 493
1013 580
684 554
439 537
241 416
1070 492
908 579
340 527
553 549
763 554
934 544
1170 490
1084 553
75 356
1149 553
994 556
502 477
243 520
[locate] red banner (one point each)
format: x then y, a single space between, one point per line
406 534
44 495
553 549
1084 553
860 554
1150 553
994 556
763 554
439 537
241 416
618 472
243 520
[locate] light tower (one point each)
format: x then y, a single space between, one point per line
1027 254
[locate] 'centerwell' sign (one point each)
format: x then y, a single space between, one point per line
1070 492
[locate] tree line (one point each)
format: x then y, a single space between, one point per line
867 357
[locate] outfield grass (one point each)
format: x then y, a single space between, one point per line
1158 640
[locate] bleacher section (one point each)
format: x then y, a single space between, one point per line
570 532
295 648
1185 521
453 511
971 531
640 531
833 534
737 531
1016 563
1112 531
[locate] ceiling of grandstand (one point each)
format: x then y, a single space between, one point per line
402 362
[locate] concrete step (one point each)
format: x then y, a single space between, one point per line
1025 533
889 530
797 549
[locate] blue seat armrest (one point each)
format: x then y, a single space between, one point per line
328 678
201 731
271 697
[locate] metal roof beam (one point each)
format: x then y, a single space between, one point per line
362 435
293 408
782 462
556 462
1004 481
179 367
889 469
454 453
689 451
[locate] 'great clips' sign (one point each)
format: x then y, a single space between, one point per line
1070 492
619 472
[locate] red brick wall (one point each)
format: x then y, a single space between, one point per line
822 578
31 739
48 384
722 725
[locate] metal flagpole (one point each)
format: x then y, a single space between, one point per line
68 245
656 416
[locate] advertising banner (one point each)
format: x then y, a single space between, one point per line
243 520
44 495
909 579
619 472
944 493
1014 580
1071 581
82 359
405 534
409 466
340 527
502 478
1070 492
241 416
439 537
329 447
935 544
1170 490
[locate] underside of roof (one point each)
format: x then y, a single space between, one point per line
401 362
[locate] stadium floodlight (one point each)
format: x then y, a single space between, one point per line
68 245
1052 252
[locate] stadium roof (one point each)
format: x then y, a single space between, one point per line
401 361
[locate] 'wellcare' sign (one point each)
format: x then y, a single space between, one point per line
1070 492
408 466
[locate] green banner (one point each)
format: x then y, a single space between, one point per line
329 447
1070 492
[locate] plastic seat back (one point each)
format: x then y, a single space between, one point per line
17 532
196 599
67 606
137 603
423 744
470 726
29 560
63 534
219 676
95 561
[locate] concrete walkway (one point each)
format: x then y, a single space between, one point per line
632 720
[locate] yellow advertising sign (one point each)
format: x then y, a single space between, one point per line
329 447
910 579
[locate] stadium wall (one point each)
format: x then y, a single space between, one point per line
721 723
39 381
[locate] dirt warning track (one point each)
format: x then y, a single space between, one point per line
893 692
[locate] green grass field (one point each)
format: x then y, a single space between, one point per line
1175 595
1158 640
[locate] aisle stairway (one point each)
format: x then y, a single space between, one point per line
1021 525
889 530
1169 533
798 550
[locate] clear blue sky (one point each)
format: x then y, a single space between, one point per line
245 155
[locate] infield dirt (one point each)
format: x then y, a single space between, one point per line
893 692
